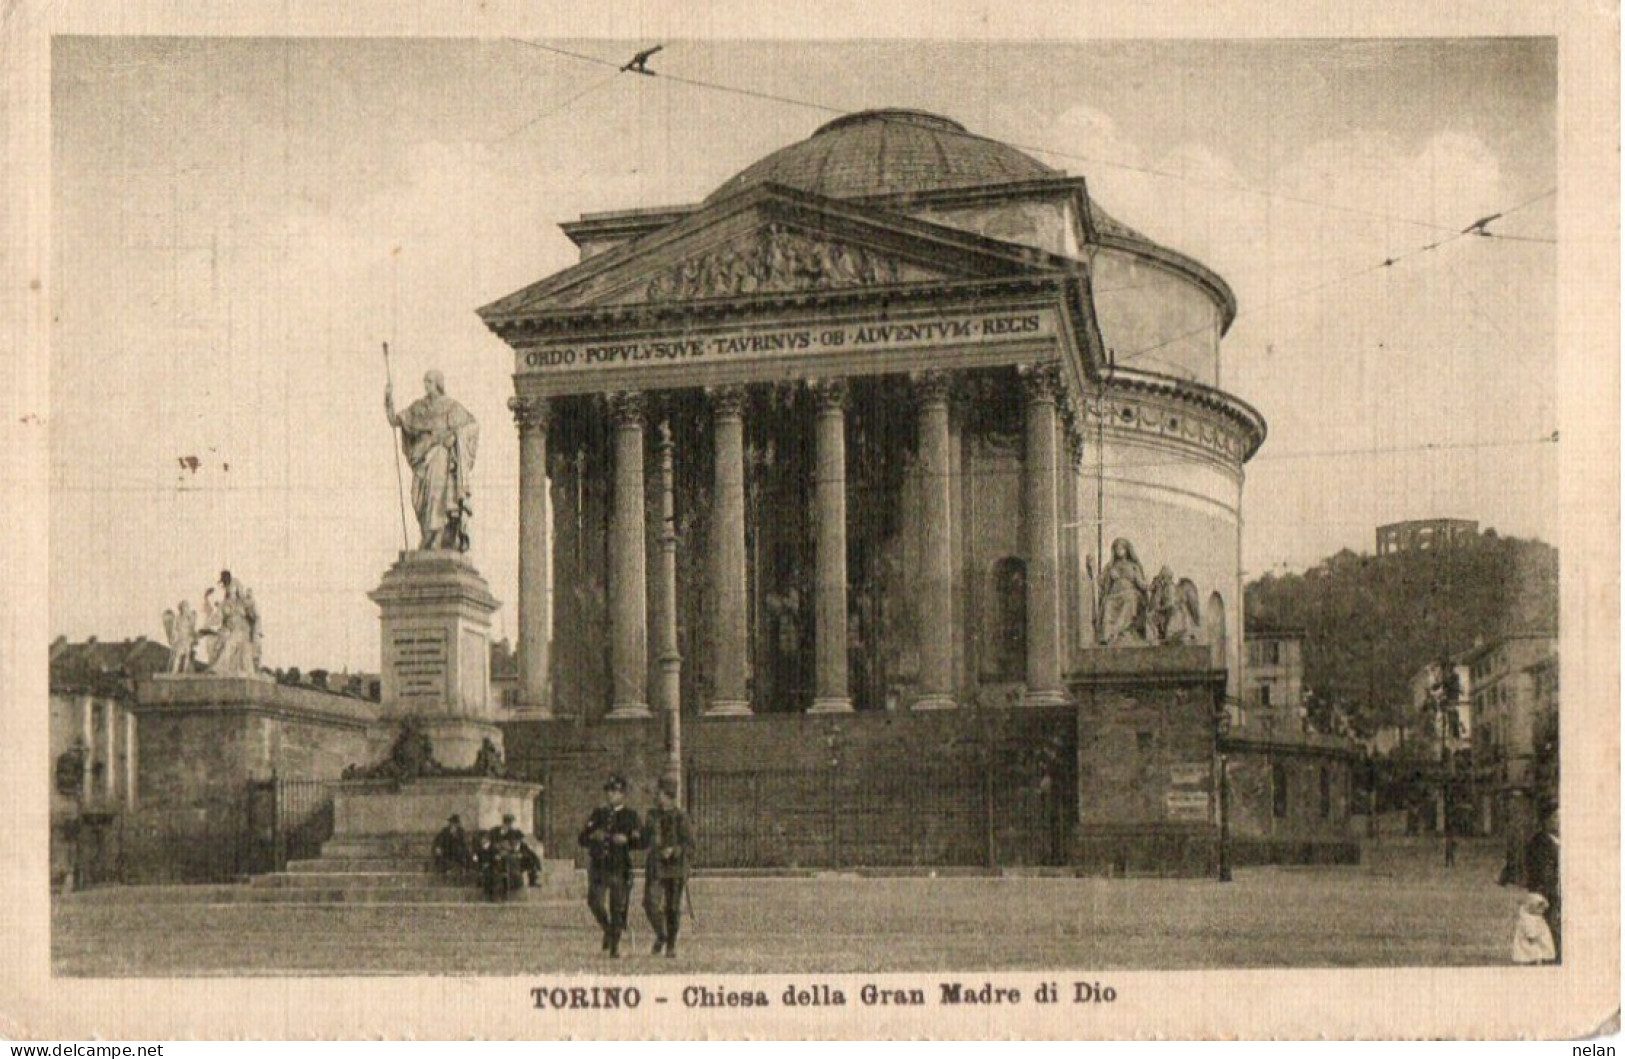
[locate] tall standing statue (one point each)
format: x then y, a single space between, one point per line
440 439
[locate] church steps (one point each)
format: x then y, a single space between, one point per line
549 892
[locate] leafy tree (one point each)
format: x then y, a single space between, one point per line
1371 622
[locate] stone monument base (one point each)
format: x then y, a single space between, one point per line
455 741
435 610
375 809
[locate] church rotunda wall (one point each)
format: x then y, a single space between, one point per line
1154 318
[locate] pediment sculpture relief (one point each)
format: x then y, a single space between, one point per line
775 260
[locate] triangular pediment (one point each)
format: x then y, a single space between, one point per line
773 241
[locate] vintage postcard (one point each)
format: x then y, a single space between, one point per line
697 521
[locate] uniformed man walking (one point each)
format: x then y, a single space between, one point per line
670 840
612 833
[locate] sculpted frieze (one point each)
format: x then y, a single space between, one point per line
774 260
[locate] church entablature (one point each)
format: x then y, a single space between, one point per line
1161 410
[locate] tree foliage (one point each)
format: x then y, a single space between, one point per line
1371 622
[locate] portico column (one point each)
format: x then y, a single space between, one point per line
110 754
131 761
936 546
628 584
535 540
1040 384
88 734
730 694
831 694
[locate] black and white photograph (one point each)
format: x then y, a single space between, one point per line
812 534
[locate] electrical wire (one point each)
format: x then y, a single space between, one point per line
595 86
1388 262
1053 152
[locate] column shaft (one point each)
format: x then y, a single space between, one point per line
131 759
831 694
628 582
936 628
1043 599
110 754
730 613
87 706
535 559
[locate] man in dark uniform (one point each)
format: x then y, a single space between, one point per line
451 848
670 840
611 834
1541 875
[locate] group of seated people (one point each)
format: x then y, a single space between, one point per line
499 855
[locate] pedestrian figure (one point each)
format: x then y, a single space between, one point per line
611 834
451 848
508 842
1542 876
504 859
1532 941
670 840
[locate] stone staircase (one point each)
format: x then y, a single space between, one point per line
397 869
374 870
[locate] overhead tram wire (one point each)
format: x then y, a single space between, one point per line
826 108
1388 262
550 111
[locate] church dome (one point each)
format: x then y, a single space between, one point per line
887 152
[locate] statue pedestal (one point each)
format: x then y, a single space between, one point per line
436 609
412 812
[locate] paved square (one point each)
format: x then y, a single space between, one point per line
1404 910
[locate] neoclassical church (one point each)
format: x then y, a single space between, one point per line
832 463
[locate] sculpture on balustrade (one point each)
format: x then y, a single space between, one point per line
1123 592
180 629
1134 613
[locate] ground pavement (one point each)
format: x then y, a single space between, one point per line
1402 907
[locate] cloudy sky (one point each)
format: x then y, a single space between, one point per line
238 224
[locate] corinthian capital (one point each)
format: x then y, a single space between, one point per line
627 408
530 414
933 387
727 402
1040 382
829 393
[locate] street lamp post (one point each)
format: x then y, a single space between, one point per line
1221 783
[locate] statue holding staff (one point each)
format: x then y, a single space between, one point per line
440 439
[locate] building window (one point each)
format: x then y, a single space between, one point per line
1264 696
1325 792
1278 790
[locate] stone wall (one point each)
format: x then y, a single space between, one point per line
1290 803
1145 761
207 748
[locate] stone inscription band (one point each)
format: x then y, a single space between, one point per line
755 344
